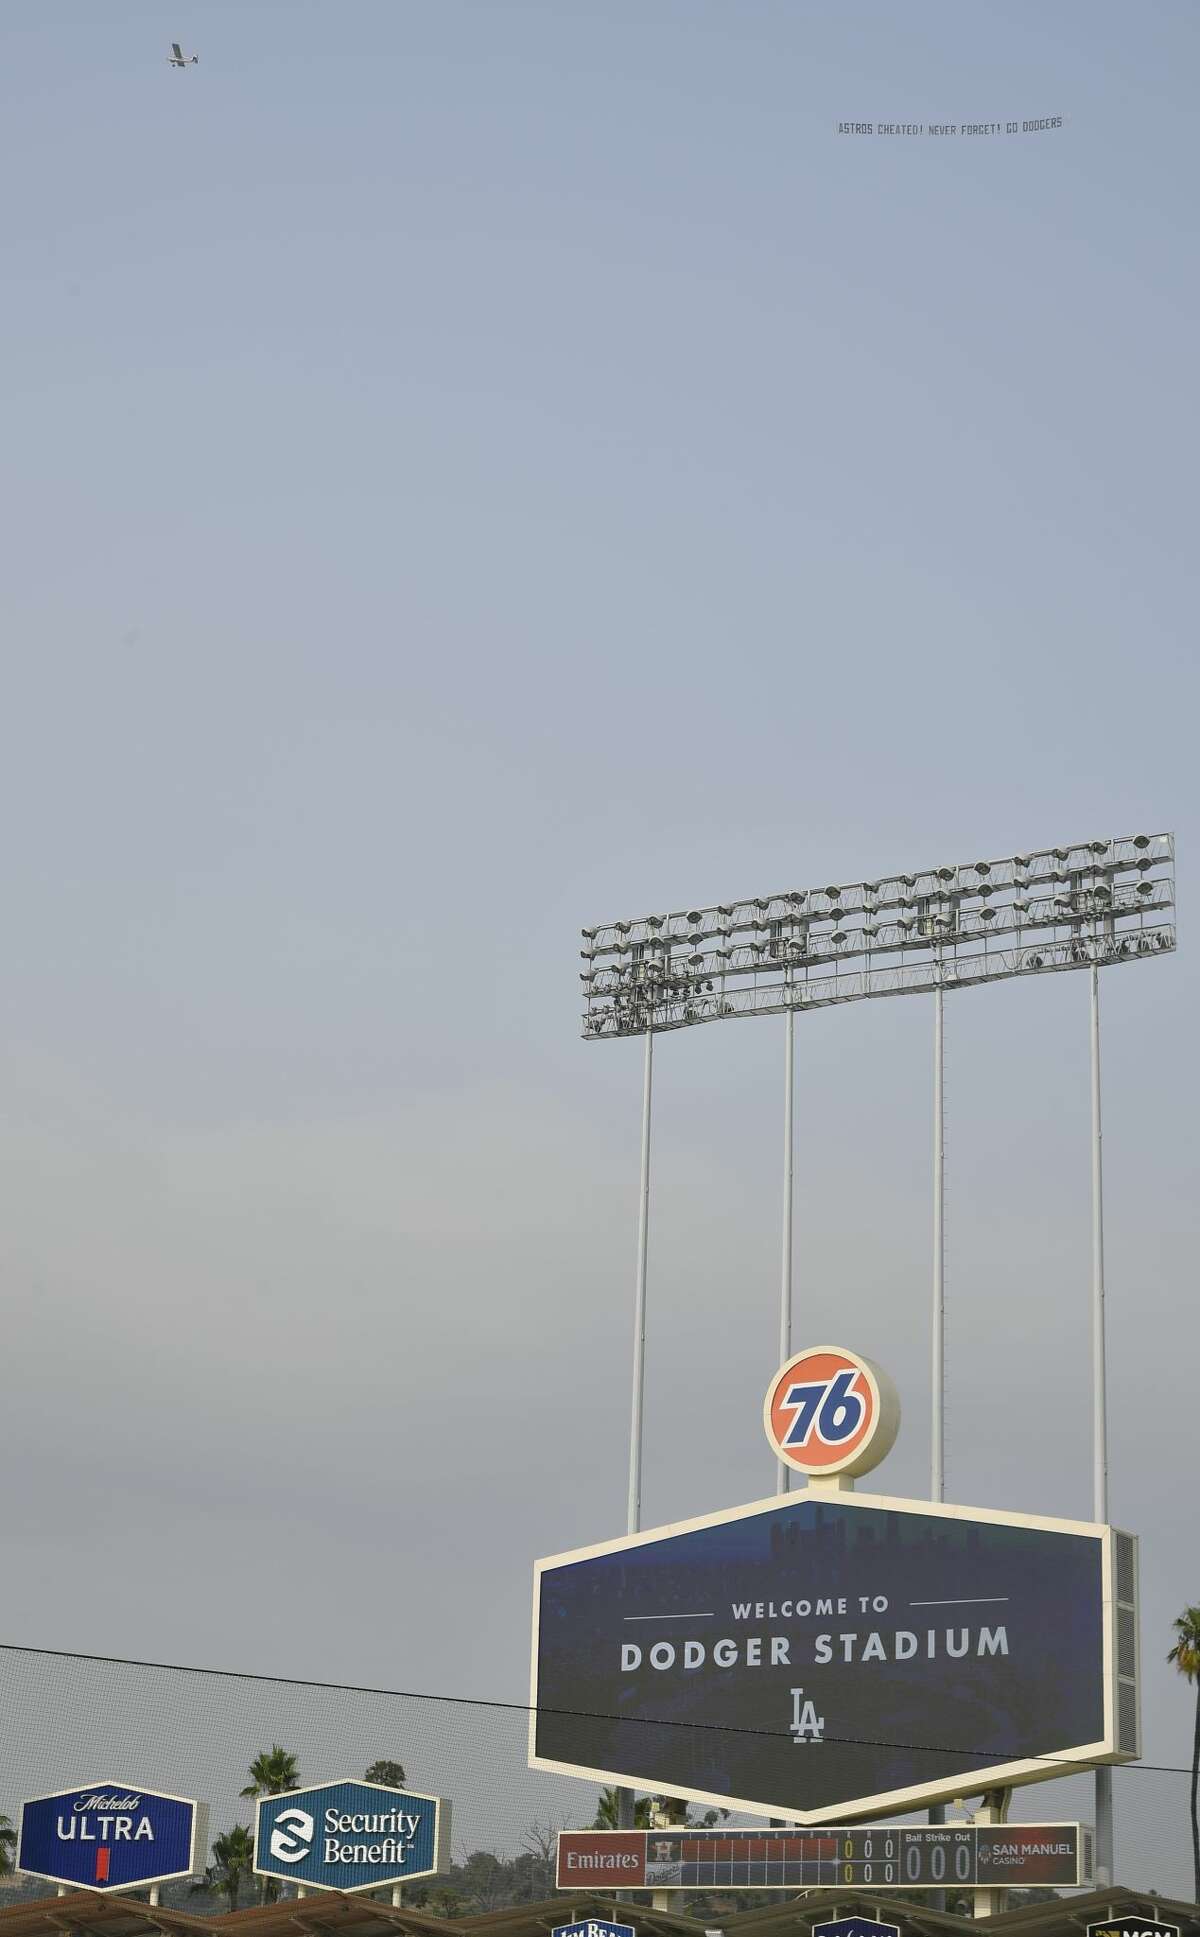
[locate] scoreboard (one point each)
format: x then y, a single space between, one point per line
891 1856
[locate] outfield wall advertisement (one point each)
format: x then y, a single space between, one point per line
350 1836
900 1856
111 1836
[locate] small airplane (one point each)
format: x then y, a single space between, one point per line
176 57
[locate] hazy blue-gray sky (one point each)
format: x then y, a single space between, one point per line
476 468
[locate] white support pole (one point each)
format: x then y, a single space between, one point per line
785 1283
1104 1781
937 1455
937 1384
1099 1376
785 1278
633 1522
789 1163
634 1516
993 1809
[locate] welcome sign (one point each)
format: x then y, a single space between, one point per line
351 1836
823 1656
111 1836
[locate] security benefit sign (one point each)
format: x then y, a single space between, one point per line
351 1836
842 1654
111 1836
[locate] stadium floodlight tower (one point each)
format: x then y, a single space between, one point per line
1081 905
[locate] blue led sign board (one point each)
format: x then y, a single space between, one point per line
855 1927
111 1836
824 1655
593 1927
351 1836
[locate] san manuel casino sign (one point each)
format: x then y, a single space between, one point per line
826 1654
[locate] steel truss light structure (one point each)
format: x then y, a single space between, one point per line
1092 903
1087 904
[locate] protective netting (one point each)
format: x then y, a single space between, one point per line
71 1719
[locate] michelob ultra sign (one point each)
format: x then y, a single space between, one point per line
831 1654
111 1836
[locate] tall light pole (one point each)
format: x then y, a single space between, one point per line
937 1437
1099 1378
634 1515
789 1165
1085 904
1104 1777
937 1379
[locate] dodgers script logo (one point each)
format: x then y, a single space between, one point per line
829 1411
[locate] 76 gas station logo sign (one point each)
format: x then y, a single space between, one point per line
829 1411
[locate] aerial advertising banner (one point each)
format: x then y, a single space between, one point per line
111 1836
836 1654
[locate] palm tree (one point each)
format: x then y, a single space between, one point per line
608 1807
273 1772
390 1774
8 1843
607 1804
1186 1657
232 1865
